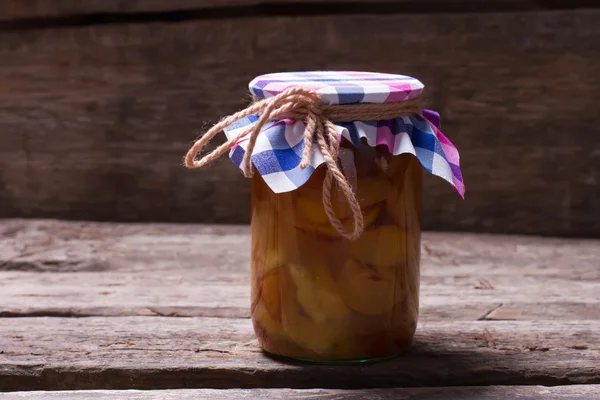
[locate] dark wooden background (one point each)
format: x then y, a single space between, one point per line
100 99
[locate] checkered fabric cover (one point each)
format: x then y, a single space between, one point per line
278 149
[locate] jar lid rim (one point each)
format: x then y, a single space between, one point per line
341 87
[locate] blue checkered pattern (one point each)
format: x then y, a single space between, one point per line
278 150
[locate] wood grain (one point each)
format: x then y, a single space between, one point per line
94 269
571 392
115 107
166 293
131 280
66 246
162 353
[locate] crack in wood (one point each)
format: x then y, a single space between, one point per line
26 253
484 316
212 350
484 284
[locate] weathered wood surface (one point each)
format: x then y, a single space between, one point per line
191 270
571 392
190 294
45 353
114 108
132 280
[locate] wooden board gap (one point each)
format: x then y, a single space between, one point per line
288 9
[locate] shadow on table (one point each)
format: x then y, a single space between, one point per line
423 365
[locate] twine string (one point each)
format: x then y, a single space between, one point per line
305 104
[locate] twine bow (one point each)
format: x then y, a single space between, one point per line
305 104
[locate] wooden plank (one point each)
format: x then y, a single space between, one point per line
197 270
76 246
181 294
18 9
115 107
162 353
571 392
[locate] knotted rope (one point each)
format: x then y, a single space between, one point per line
305 105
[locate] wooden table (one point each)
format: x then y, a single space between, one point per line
91 308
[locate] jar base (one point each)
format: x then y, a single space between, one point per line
331 362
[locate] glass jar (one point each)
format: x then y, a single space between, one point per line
319 297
